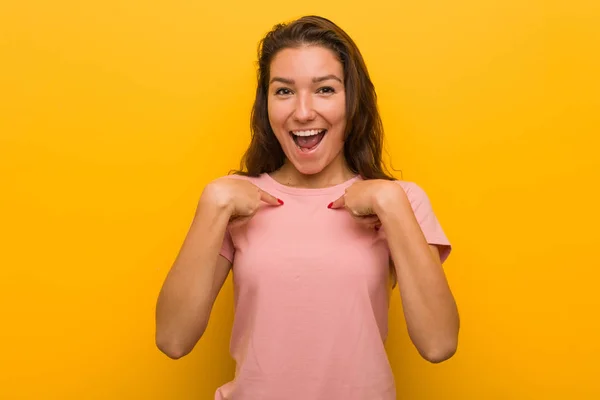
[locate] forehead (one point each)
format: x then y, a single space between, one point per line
305 61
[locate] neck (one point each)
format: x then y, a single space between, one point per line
335 173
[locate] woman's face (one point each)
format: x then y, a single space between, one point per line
307 106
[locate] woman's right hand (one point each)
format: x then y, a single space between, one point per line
239 197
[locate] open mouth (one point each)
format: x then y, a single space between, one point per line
308 140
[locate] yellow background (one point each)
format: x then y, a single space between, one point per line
114 115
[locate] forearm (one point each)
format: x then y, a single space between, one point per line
429 306
185 300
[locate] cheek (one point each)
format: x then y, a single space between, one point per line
276 119
337 117
335 112
277 115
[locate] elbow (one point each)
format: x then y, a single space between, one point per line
174 347
176 340
439 356
173 352
440 352
442 346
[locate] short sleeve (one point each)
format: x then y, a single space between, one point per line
423 210
227 248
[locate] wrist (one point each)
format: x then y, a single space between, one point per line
390 201
216 200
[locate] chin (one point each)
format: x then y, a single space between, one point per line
309 171
305 168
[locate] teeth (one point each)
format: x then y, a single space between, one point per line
308 133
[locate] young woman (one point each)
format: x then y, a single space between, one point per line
316 235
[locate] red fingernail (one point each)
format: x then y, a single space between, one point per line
280 201
330 205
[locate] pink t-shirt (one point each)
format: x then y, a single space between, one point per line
311 294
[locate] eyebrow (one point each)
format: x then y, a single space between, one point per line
315 80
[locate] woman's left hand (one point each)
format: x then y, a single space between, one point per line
364 199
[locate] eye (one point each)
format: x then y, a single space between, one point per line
283 92
326 90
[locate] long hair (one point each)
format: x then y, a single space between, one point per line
363 138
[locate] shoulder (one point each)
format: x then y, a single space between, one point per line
252 179
417 197
413 190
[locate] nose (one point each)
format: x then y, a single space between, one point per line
304 110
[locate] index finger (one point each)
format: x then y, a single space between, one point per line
269 198
340 202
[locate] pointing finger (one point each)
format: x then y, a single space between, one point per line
340 202
270 199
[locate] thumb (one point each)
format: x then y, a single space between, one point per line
338 203
270 199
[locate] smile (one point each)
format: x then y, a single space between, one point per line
307 140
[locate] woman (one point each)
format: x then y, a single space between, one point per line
316 234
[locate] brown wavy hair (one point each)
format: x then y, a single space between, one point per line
363 139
